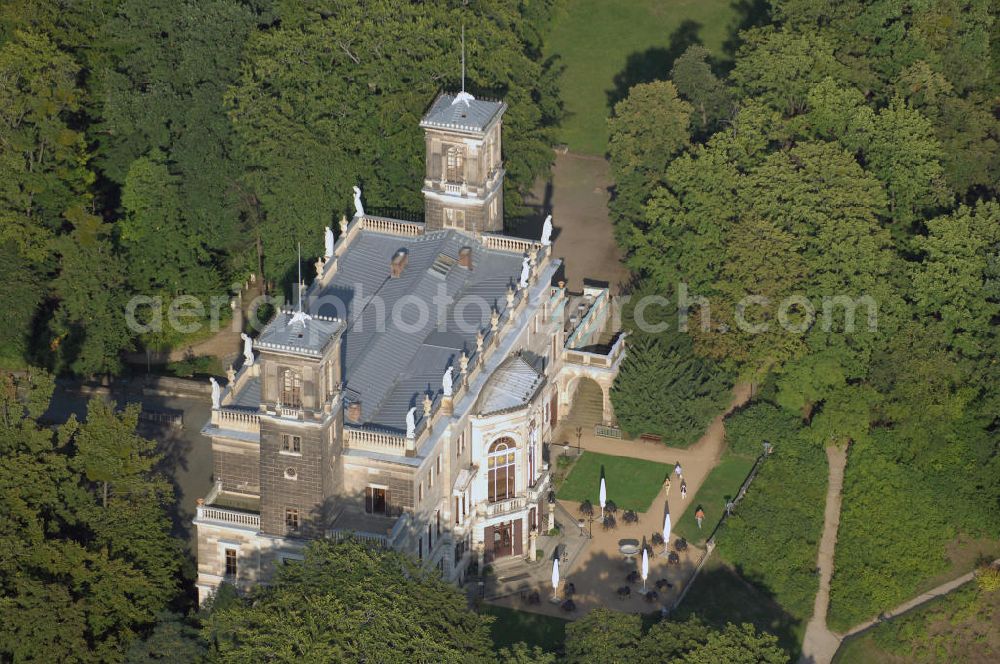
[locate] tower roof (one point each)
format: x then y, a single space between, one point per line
463 112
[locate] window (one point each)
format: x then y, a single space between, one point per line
454 218
501 470
437 517
420 492
291 388
376 500
455 161
291 518
430 538
290 473
438 464
430 479
420 548
231 568
458 515
291 443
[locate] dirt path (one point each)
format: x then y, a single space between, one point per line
577 195
820 644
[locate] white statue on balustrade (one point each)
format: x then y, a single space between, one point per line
328 242
411 422
525 272
359 209
216 393
547 231
446 382
247 349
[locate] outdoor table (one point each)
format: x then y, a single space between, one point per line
673 558
680 544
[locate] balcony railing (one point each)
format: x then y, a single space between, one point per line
378 441
505 506
228 517
236 420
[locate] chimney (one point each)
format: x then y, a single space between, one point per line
465 257
398 263
354 412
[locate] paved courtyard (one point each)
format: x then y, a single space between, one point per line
600 568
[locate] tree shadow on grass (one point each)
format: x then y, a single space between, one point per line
653 64
721 595
748 14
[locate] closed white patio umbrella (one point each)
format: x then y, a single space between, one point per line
603 497
555 578
645 567
666 533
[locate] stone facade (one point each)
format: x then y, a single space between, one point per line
469 487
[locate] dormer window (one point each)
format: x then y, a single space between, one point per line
291 388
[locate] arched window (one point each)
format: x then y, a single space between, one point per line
455 164
291 388
501 470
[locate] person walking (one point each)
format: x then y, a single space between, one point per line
666 485
684 489
677 469
699 516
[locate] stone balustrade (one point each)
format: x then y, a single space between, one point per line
392 226
378 441
236 420
229 517
505 243
505 506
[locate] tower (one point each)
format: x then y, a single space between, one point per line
463 180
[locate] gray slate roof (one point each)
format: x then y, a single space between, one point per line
466 114
511 386
307 337
390 367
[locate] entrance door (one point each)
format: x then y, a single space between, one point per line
554 410
376 501
503 540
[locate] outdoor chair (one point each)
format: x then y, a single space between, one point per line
652 596
569 606
624 592
633 577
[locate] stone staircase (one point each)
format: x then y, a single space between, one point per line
516 575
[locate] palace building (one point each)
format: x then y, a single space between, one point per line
407 399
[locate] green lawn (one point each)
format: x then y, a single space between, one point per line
720 485
633 40
720 595
535 629
631 483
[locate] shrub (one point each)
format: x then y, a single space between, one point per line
772 538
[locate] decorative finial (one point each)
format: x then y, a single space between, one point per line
510 297
427 405
343 223
463 363
479 341
495 320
